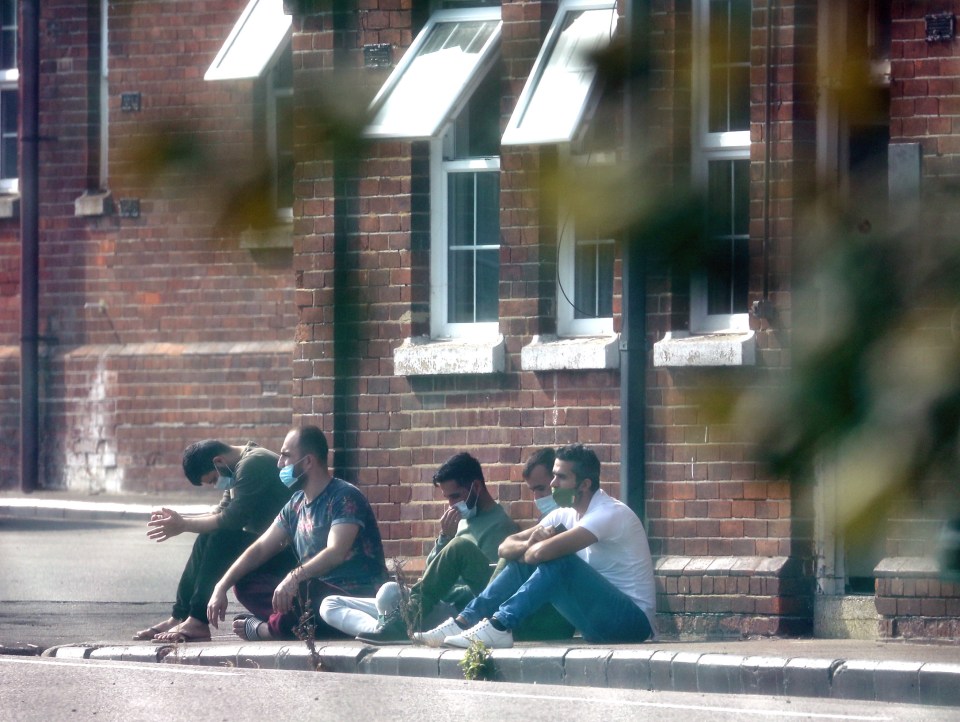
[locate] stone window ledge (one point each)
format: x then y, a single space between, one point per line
679 348
424 356
93 203
552 353
275 236
10 206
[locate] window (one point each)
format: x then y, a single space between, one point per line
9 105
465 219
258 47
445 90
721 153
555 97
279 129
436 74
585 258
253 42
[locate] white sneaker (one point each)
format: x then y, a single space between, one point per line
435 637
481 632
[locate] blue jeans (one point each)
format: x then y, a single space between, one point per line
583 597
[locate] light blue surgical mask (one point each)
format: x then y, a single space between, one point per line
225 480
287 474
546 504
466 510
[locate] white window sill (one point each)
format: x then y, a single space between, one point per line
424 356
551 353
276 236
10 206
93 204
679 348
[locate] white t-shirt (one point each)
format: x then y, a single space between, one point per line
621 553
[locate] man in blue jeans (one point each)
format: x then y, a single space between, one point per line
590 559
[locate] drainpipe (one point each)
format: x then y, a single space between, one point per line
29 242
633 351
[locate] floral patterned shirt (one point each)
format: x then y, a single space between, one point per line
308 525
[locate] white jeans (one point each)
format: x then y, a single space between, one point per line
359 615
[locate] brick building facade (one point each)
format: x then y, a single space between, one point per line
456 279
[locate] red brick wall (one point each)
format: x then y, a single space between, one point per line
111 387
367 271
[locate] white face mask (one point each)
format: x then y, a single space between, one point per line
226 479
467 511
546 504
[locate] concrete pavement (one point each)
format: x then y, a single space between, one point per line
889 670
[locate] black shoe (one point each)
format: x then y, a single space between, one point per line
392 631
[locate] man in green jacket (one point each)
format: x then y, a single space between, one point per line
460 563
252 497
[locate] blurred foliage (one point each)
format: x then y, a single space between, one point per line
872 387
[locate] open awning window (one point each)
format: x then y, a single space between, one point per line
554 99
437 74
253 42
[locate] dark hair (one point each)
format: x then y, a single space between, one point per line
198 458
583 462
540 457
310 440
461 468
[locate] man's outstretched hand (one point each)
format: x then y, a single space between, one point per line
164 524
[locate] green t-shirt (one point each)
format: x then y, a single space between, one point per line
487 529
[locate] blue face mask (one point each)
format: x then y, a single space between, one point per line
287 474
226 479
546 504
467 511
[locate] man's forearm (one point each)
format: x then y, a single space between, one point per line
201 523
319 564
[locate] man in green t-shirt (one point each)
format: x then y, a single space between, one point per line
252 497
458 567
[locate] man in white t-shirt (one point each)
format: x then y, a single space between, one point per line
590 559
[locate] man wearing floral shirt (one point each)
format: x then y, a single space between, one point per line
334 534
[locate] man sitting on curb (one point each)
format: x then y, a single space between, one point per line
334 533
252 497
590 559
458 567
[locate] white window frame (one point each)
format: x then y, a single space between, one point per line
104 111
440 170
420 97
253 43
252 50
706 147
567 323
274 92
554 99
9 82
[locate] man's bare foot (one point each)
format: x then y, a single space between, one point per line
251 629
145 635
189 630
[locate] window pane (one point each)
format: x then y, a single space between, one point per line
461 216
418 96
8 34
488 285
461 291
729 66
252 42
8 134
593 279
284 161
728 227
476 131
554 99
474 246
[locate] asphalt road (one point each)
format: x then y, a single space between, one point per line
81 581
45 689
